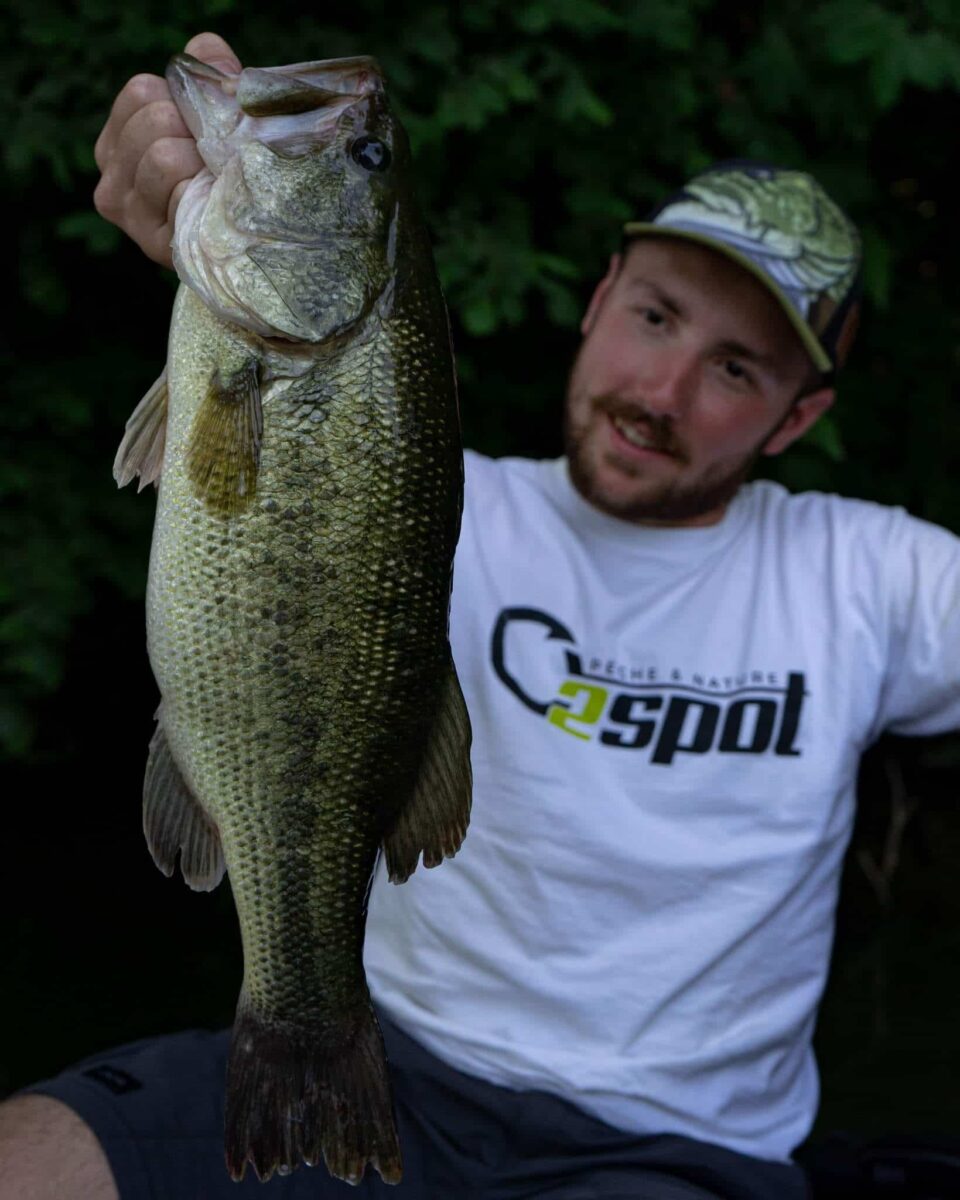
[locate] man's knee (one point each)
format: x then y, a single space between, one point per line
48 1153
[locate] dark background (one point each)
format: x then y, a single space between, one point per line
537 128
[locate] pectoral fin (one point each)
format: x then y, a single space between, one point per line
436 816
223 453
174 822
141 450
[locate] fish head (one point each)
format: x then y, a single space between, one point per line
291 229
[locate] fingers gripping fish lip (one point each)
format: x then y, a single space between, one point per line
203 94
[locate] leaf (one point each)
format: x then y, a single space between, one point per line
664 23
876 266
824 434
512 75
577 99
44 290
16 730
887 72
431 38
533 18
99 236
930 60
563 306
587 200
479 317
855 31
478 16
37 662
557 265
471 102
583 16
944 14
773 66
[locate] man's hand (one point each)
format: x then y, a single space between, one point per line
147 156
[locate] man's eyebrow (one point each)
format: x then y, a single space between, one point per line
739 350
661 296
732 347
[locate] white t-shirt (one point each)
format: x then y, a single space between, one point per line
667 725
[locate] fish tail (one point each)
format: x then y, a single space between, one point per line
294 1095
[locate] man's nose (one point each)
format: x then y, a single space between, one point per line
667 380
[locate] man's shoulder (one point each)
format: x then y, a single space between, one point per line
844 522
771 501
768 495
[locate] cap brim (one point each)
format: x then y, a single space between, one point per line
820 357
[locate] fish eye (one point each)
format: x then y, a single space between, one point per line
371 153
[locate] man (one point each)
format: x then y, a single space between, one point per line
671 674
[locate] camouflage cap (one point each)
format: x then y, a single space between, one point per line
787 232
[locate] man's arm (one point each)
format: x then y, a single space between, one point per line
48 1153
147 155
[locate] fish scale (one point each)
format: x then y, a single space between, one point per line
307 515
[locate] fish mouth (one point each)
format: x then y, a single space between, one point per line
303 101
307 87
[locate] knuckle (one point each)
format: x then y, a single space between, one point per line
144 89
105 200
163 119
164 156
174 202
157 246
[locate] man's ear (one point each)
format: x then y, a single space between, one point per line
801 416
599 294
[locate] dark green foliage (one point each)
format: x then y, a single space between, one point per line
538 128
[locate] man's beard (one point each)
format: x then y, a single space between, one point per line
671 501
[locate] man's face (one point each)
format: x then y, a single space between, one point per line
687 371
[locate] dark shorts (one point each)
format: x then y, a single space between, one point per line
157 1108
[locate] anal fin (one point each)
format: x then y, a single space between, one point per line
174 822
436 816
141 449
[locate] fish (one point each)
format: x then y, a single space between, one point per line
304 439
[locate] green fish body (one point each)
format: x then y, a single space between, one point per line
306 443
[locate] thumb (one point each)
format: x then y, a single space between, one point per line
211 48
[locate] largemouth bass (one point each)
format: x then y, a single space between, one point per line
305 441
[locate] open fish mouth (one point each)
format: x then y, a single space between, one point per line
273 105
254 231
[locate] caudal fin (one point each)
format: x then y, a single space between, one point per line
292 1098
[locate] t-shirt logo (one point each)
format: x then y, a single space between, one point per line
602 701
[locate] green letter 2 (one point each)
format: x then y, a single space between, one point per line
593 706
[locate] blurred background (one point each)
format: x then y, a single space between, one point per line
538 126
